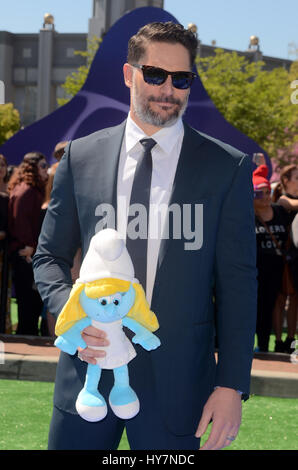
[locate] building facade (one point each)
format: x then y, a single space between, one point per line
34 66
106 12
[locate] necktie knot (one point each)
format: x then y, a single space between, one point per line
148 144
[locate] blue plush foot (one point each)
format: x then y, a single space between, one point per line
91 406
124 402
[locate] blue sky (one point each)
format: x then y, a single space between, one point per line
229 22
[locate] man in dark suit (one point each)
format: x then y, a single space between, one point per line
180 385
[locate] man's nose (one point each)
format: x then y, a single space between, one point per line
167 86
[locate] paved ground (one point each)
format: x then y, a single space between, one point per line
30 345
35 358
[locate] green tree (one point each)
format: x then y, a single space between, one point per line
9 121
76 80
256 101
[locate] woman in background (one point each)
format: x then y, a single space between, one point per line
5 281
271 222
3 198
286 195
26 188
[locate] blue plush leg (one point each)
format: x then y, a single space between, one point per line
90 403
123 400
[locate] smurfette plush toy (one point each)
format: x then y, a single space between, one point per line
108 297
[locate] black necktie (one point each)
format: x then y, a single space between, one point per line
140 194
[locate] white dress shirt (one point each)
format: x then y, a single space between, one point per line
165 155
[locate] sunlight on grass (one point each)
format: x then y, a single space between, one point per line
25 413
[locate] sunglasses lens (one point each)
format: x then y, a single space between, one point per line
182 81
154 76
157 76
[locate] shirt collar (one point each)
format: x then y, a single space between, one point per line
166 137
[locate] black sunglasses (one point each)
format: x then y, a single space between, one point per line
157 76
259 194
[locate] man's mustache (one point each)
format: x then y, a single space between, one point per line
165 99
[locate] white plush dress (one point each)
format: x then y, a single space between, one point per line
120 350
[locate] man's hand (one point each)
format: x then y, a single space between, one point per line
224 408
93 337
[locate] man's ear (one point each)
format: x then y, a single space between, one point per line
127 72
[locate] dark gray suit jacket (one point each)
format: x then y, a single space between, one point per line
211 173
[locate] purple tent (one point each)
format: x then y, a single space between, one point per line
103 101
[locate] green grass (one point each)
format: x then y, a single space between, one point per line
25 413
267 424
13 312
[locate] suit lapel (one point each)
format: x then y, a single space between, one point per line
186 179
188 174
110 146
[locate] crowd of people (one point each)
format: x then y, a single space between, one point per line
277 257
25 194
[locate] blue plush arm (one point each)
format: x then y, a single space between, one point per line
142 336
72 339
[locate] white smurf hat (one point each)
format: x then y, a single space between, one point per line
107 256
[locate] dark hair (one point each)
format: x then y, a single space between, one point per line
59 150
161 32
3 158
28 172
34 157
286 173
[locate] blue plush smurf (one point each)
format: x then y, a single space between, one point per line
108 297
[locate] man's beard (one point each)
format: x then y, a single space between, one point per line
145 113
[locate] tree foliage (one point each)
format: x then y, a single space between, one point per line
256 101
9 122
76 79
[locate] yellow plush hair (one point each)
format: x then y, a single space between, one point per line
73 311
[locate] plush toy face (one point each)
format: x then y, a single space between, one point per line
109 308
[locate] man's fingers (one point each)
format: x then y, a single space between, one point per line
224 406
214 436
220 441
203 424
95 341
229 436
91 339
89 352
90 355
220 436
92 331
